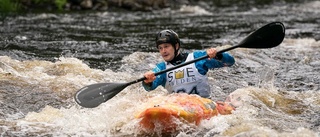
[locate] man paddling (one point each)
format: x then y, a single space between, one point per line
268 36
189 79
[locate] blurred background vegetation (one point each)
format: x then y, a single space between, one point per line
25 5
141 5
9 5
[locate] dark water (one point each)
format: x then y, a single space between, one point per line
45 58
100 37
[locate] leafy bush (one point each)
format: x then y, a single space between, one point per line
8 6
15 5
60 4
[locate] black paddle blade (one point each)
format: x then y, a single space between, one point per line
93 95
268 36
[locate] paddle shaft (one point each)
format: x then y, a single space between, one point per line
268 36
183 64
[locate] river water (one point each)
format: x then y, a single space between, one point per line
45 58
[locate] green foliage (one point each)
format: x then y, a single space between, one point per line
60 4
14 5
41 1
8 6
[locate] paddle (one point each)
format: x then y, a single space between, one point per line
268 36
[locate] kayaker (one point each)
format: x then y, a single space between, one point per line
189 79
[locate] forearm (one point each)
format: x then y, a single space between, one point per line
147 86
226 59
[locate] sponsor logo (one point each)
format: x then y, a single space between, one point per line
179 74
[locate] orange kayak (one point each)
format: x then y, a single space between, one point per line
166 113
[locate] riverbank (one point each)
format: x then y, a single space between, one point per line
132 5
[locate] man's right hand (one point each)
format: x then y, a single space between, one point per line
150 77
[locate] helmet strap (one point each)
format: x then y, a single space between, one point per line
176 51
